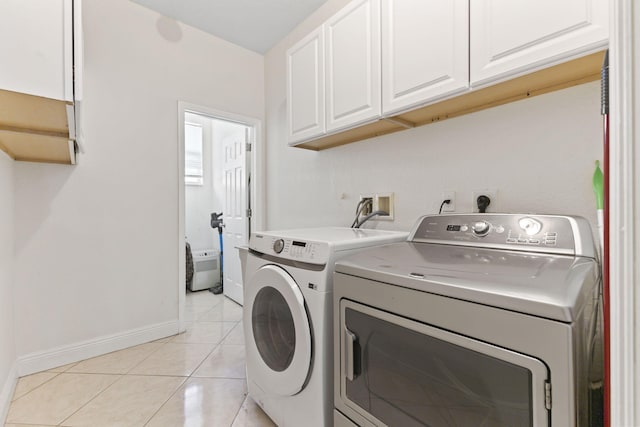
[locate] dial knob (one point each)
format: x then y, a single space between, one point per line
530 226
278 246
481 228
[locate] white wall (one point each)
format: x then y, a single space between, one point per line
7 340
538 153
97 244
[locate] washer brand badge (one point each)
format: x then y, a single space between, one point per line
258 236
312 286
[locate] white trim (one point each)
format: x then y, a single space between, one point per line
67 49
624 198
257 188
71 145
78 51
71 121
182 257
63 355
7 393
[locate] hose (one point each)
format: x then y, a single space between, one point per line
362 204
368 217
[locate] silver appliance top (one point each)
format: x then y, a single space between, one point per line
548 271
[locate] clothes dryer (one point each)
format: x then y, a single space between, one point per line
288 316
477 319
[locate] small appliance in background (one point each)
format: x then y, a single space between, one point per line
478 319
287 318
206 270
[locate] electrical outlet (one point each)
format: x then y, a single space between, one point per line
451 206
491 193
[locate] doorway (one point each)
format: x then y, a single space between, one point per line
219 167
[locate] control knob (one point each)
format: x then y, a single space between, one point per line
530 226
481 228
278 246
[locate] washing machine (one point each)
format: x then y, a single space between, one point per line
287 318
475 320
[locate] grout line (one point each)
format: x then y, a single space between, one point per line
190 376
15 399
162 344
68 366
246 396
94 397
184 382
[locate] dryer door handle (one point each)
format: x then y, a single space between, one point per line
352 360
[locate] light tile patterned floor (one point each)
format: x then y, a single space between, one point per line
193 379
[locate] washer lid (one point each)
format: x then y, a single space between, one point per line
550 286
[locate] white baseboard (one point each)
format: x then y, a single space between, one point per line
63 355
6 393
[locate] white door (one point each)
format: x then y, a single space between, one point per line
515 37
425 51
353 65
305 88
236 220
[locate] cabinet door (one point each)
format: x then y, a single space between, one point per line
510 37
425 45
353 65
36 47
305 88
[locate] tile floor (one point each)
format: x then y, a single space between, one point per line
193 379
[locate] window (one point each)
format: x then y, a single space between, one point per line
193 164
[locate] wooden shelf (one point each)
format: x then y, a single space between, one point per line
34 128
567 74
377 128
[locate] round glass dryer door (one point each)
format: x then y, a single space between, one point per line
278 332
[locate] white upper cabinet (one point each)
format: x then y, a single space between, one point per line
37 47
333 74
40 79
353 65
425 51
305 88
510 37
379 66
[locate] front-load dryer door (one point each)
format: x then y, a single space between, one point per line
278 332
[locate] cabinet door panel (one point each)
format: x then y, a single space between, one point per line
305 88
512 37
36 47
425 46
353 65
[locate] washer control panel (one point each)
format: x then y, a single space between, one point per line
296 250
541 233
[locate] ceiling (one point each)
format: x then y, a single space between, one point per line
254 24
